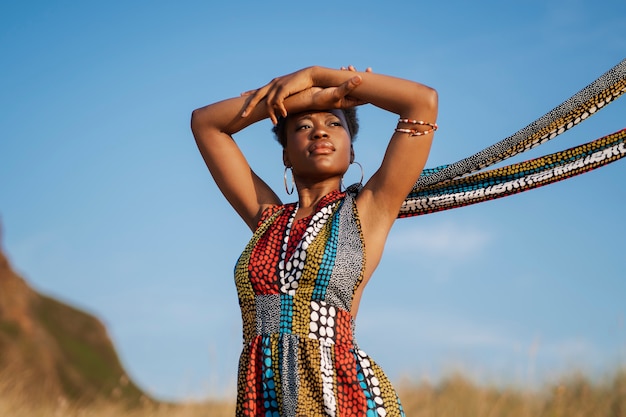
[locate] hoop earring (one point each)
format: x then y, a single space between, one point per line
360 181
289 191
362 173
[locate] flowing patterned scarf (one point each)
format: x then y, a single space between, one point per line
464 182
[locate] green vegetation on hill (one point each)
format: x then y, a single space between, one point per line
52 353
88 367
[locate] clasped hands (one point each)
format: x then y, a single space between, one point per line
304 86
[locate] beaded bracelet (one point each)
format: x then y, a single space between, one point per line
414 132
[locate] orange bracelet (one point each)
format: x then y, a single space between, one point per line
414 132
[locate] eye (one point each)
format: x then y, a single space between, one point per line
303 126
335 123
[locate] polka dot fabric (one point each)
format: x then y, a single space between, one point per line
467 182
296 281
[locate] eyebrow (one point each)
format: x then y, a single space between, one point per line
307 115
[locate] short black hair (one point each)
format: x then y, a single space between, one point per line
352 121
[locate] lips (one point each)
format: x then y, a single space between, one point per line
322 147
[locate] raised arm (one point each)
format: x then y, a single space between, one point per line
406 153
380 200
214 125
416 107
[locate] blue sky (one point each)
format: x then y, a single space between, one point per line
106 204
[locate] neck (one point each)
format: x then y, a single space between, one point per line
308 197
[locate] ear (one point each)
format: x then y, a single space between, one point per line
286 158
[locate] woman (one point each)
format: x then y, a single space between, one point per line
301 277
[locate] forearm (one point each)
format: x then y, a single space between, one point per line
226 116
406 98
213 127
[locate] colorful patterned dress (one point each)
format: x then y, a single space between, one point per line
296 282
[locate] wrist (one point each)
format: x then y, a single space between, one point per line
324 77
330 77
301 101
315 73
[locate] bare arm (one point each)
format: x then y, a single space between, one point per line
406 155
380 200
214 125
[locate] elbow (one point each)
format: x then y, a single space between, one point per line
195 121
423 101
431 99
194 117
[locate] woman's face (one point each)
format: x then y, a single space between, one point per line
318 144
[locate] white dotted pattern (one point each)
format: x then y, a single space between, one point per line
290 271
322 324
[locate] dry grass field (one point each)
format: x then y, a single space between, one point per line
574 396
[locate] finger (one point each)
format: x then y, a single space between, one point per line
251 102
282 109
347 87
276 101
273 118
271 113
276 111
354 82
369 69
254 98
249 92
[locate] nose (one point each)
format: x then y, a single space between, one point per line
319 131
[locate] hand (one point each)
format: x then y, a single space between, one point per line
276 91
335 97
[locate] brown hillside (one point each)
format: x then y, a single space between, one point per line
51 352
